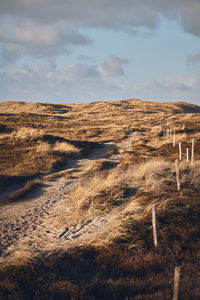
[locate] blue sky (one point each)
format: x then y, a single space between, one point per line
86 50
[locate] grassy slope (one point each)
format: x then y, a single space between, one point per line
123 263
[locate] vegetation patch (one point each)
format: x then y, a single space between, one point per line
97 241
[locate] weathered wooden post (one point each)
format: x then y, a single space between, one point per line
192 154
177 271
187 154
154 224
174 140
177 175
180 153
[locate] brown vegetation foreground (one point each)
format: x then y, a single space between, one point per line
119 261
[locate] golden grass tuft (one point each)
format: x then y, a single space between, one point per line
29 187
128 194
42 147
27 133
65 147
105 191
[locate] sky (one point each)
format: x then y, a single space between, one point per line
75 51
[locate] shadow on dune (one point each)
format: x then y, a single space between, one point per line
99 273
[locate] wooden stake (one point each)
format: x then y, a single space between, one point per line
154 224
177 271
192 154
180 153
177 175
187 154
174 140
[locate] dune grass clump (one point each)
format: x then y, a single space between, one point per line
42 148
129 194
64 147
18 195
27 133
109 191
178 212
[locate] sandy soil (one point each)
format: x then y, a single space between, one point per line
29 224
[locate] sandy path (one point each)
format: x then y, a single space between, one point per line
28 224
27 220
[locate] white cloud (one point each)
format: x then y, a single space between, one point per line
183 82
118 14
39 81
178 87
49 28
84 82
35 34
112 67
38 40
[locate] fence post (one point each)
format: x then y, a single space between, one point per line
176 282
174 140
180 153
177 175
192 155
154 224
187 154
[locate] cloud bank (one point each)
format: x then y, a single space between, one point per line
36 33
80 82
118 14
48 28
73 80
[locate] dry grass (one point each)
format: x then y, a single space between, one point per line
21 193
123 263
65 147
156 186
130 194
113 191
27 133
42 147
31 154
119 262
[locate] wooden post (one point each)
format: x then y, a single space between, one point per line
187 154
177 175
174 140
180 153
192 154
154 224
177 271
